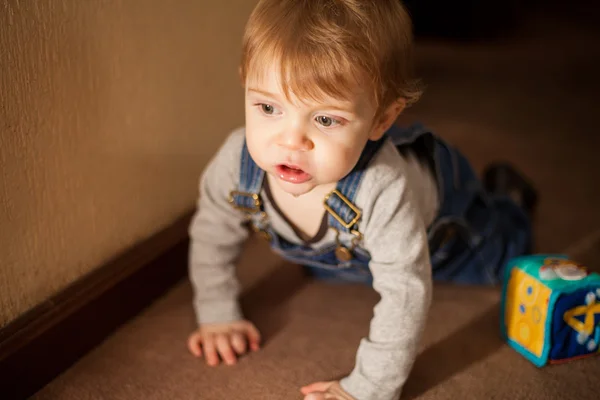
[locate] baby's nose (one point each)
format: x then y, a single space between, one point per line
296 141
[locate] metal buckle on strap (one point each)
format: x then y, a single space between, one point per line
254 196
335 215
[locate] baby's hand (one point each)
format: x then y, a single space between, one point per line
227 340
325 391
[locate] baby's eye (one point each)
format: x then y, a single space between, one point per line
267 109
327 121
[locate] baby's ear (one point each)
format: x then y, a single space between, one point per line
387 118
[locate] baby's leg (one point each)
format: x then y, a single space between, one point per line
474 245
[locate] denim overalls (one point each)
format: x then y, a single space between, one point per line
472 237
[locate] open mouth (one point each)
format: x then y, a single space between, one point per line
292 173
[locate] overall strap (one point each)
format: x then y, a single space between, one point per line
247 197
343 214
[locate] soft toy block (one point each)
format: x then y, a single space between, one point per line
550 309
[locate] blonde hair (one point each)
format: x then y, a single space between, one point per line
327 47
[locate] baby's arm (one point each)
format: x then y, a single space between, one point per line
395 235
217 233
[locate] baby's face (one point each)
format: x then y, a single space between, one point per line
305 144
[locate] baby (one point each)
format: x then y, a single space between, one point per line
322 172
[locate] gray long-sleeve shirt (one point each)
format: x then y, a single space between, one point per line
398 199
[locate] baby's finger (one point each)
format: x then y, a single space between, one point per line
210 350
253 336
194 344
225 349
238 342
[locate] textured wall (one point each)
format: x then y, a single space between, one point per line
109 110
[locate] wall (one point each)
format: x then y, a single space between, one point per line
109 110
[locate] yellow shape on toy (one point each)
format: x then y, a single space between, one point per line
526 311
589 311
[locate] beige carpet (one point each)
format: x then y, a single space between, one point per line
533 101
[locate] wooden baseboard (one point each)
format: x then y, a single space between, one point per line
47 340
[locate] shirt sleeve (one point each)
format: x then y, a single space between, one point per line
395 235
217 233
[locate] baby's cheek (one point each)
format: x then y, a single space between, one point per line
340 163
